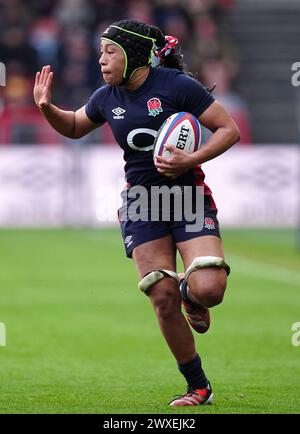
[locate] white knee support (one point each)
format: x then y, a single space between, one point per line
155 276
206 262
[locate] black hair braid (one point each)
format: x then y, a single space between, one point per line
174 60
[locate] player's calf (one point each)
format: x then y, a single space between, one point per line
197 315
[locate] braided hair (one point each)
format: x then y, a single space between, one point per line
141 43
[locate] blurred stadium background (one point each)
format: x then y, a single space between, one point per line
79 336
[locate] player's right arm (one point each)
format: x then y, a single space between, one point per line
68 123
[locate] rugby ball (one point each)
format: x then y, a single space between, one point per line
181 130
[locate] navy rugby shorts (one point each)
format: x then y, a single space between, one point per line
135 233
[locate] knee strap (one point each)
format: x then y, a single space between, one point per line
206 262
155 276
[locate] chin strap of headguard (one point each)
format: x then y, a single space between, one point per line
206 262
155 276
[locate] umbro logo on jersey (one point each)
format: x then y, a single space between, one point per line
118 111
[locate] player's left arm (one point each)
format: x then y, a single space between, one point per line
226 133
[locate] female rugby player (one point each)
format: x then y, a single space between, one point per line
135 101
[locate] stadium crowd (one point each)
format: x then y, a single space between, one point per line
65 34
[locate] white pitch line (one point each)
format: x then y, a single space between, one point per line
251 267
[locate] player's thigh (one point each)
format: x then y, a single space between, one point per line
207 245
212 280
155 255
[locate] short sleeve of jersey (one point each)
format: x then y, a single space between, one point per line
191 95
93 108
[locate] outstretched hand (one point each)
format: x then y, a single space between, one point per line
43 87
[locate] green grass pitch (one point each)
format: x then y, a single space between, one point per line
82 339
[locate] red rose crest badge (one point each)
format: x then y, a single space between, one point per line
154 106
209 223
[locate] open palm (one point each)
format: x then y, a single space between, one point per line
43 87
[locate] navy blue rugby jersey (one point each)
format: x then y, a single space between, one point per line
136 116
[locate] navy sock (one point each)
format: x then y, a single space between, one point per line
193 373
